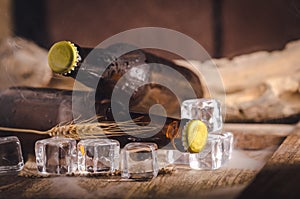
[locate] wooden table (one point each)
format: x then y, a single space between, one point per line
245 176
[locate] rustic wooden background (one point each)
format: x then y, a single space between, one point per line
224 28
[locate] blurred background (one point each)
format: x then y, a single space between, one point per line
224 28
261 85
255 45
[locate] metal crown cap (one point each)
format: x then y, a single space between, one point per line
63 57
194 136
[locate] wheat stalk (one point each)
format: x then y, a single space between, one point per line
91 129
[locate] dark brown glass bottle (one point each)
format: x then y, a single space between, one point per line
97 68
104 68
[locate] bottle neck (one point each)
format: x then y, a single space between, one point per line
168 137
83 52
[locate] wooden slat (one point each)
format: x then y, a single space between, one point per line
180 184
258 136
280 172
280 178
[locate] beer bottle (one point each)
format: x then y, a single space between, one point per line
105 67
101 68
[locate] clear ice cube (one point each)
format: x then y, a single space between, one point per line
216 152
11 159
172 157
56 155
206 110
139 161
98 155
227 145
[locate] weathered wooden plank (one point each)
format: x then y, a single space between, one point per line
257 89
281 175
258 136
181 183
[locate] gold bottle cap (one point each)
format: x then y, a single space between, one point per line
194 136
63 57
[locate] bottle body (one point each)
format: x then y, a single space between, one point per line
104 69
167 135
184 135
101 69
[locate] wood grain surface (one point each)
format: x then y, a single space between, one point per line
281 175
181 183
258 136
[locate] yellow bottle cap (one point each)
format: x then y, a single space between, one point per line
63 57
194 136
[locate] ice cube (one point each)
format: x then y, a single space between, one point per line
206 110
139 161
11 159
98 155
172 157
216 152
56 155
227 146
